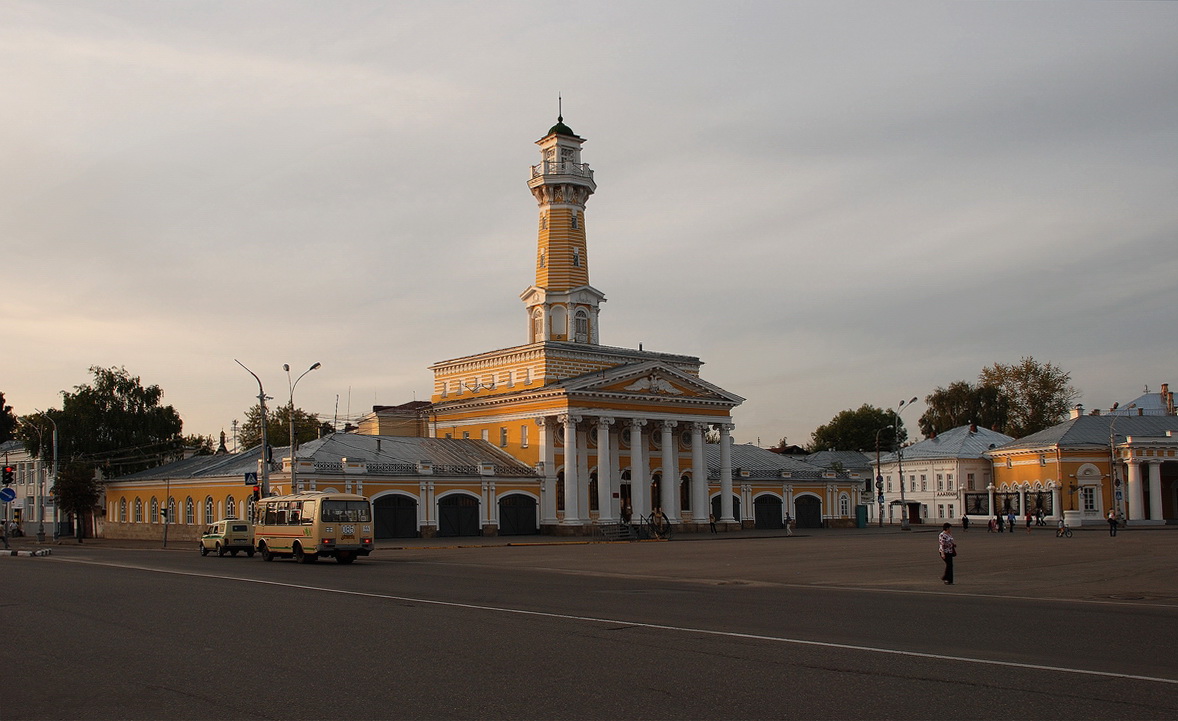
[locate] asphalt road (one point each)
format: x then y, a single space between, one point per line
832 625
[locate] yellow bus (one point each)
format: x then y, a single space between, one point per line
305 526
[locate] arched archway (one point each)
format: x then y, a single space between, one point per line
395 516
767 512
808 511
735 507
517 515
458 515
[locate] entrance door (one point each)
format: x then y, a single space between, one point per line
395 516
517 515
767 512
458 515
808 511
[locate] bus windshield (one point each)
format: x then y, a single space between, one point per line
345 511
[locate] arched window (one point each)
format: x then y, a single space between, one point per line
844 505
122 510
208 510
155 510
171 510
582 325
230 507
189 511
537 326
138 511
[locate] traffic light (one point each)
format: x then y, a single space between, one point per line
8 474
257 493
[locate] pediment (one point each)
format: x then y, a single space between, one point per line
651 380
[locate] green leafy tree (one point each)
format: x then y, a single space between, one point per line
961 403
855 430
1038 395
7 421
77 491
198 445
114 423
307 426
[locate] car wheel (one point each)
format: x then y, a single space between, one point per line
220 550
203 551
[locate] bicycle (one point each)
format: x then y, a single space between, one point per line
1063 532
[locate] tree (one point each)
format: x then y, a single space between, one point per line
960 404
77 491
198 445
307 426
115 424
1038 395
855 430
7 421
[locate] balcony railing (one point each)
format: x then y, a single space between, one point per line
550 168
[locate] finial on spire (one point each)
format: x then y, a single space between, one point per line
559 109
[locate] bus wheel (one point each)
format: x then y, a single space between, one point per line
345 557
266 555
250 552
303 557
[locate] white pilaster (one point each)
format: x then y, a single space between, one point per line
1155 491
572 484
605 475
639 477
548 453
669 488
1136 496
725 472
699 475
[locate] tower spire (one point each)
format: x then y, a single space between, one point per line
562 306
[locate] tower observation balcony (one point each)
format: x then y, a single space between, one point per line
549 168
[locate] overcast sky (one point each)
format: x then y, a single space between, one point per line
830 203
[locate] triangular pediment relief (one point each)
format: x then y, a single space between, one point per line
650 380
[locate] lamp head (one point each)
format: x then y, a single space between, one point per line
286 367
315 366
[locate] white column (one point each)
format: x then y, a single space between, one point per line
1136 496
639 478
605 483
669 488
571 482
699 475
548 489
993 510
583 473
725 473
1056 500
1155 490
1022 503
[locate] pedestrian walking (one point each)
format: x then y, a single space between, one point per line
1029 518
965 523
1001 522
789 525
712 522
948 550
1010 521
1039 518
1112 523
991 526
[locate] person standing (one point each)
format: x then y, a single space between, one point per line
965 523
1029 518
712 522
789 525
1010 521
948 549
1112 523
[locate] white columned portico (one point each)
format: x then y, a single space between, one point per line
1136 496
605 474
699 475
669 488
1155 491
639 481
725 472
548 454
572 485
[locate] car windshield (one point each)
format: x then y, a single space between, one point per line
343 511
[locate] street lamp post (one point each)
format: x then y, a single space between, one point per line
879 475
40 492
265 464
294 486
900 463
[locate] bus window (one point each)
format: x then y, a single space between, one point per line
308 513
294 518
271 518
280 519
345 511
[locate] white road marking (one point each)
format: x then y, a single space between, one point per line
639 624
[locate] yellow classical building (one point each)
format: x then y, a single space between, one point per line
615 433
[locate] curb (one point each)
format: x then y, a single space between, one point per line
38 552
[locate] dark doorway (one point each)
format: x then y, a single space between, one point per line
735 507
395 516
767 512
458 515
517 515
808 511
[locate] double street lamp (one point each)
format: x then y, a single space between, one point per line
878 475
900 462
294 485
264 465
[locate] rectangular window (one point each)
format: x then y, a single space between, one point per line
502 437
523 436
1088 498
969 481
912 483
949 483
923 482
889 484
940 482
486 435
951 511
466 434
940 510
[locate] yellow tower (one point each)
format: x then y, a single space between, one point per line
561 305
